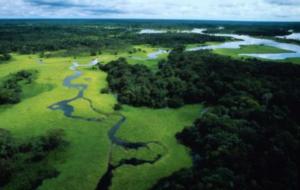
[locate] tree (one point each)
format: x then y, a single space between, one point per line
8 148
117 107
5 57
175 102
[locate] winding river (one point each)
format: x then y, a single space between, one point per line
65 106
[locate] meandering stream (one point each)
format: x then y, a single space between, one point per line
68 110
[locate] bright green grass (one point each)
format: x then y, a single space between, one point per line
255 49
84 161
151 63
294 60
160 125
250 49
131 58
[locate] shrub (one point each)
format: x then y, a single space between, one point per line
104 91
117 107
93 53
6 172
7 151
175 102
5 57
53 139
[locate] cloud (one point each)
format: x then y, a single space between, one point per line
89 8
54 3
284 2
279 10
104 11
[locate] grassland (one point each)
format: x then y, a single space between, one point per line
84 161
294 60
250 49
161 125
141 57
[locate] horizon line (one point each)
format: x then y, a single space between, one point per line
171 19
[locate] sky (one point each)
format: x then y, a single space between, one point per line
256 10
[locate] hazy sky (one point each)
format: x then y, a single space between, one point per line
278 10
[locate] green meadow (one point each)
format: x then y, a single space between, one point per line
250 49
82 163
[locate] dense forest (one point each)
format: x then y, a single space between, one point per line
248 138
264 30
26 39
174 39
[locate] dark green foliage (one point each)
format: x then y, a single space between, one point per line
23 162
5 57
93 52
42 54
249 139
104 91
32 178
40 146
10 89
117 107
174 39
175 102
7 149
136 84
27 39
31 36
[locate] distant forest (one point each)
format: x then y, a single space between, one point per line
35 39
32 36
